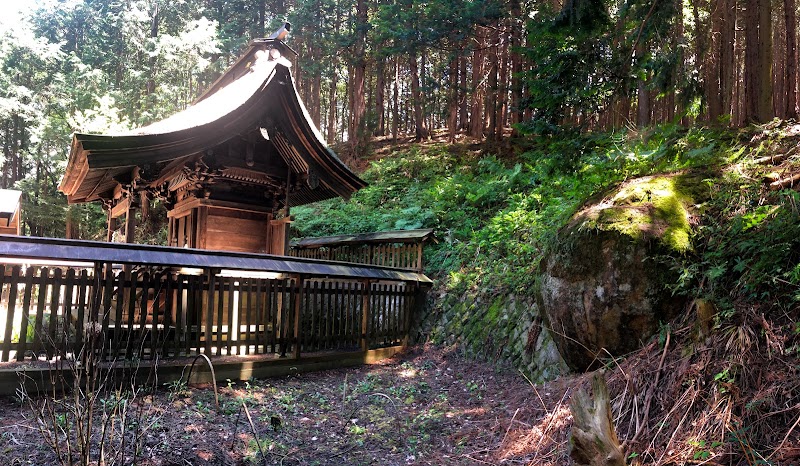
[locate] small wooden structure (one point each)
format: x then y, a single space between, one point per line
10 212
228 168
176 302
400 249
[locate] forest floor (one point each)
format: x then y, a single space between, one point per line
428 406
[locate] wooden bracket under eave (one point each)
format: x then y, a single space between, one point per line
120 208
287 219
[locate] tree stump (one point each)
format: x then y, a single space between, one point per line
594 441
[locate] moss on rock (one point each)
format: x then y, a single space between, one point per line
653 207
603 285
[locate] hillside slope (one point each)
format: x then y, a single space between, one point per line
725 367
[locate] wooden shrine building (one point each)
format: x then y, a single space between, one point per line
227 168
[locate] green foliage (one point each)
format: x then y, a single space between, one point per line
495 216
748 242
569 63
751 250
592 53
704 449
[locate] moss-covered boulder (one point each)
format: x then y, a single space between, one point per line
604 285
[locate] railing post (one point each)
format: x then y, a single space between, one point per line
365 315
298 303
209 321
409 305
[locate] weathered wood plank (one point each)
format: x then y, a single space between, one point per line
209 321
26 306
56 284
168 343
104 313
218 344
141 341
261 318
298 310
180 333
155 310
231 300
170 371
194 313
39 334
13 281
119 331
84 287
132 287
69 288
315 308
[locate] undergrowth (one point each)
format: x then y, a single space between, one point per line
495 213
719 384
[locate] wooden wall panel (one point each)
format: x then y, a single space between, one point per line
233 230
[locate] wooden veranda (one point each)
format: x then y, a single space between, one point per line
133 302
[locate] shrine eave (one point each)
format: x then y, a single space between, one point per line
257 93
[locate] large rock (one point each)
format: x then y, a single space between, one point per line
604 286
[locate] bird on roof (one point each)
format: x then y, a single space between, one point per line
282 32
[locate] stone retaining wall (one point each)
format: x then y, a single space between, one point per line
507 329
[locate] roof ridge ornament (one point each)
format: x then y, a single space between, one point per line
282 32
274 43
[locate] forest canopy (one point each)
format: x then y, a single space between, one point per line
385 68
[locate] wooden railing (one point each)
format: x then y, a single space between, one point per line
140 309
398 249
401 256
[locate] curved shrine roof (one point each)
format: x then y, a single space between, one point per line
257 93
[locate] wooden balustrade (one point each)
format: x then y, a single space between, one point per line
164 310
397 249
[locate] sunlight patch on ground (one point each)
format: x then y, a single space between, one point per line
408 373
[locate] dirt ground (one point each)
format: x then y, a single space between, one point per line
427 407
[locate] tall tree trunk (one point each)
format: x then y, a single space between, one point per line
516 61
452 104
463 112
713 81
676 40
765 107
502 101
728 67
790 18
4 183
380 96
420 132
262 12
350 100
359 137
332 101
779 66
642 95
492 103
699 47
758 61
316 88
396 99
154 23
476 112
423 80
